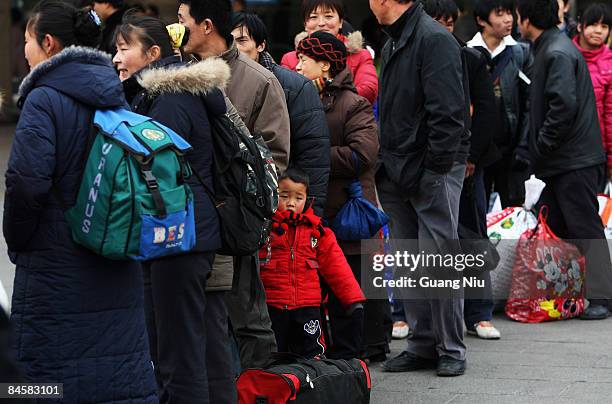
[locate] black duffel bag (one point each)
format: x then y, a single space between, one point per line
289 377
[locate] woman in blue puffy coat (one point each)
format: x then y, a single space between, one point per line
78 318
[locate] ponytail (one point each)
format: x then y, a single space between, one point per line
69 25
149 31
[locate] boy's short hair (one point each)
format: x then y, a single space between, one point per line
483 8
296 175
257 28
542 14
437 9
595 13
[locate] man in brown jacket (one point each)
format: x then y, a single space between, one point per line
260 101
253 89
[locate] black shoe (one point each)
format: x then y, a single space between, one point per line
408 362
380 357
449 367
595 312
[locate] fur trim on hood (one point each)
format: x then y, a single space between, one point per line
81 53
197 78
354 42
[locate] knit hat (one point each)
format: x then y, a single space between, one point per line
324 47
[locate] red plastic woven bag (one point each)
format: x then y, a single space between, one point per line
547 278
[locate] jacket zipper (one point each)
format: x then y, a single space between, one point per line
293 277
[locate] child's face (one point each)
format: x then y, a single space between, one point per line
291 196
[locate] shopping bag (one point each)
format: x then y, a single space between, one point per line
547 278
504 230
605 211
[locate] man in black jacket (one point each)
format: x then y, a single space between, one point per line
310 147
565 145
424 146
111 13
478 307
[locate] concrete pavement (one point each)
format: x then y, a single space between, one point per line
557 363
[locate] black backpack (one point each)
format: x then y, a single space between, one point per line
246 184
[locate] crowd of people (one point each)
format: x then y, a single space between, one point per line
429 136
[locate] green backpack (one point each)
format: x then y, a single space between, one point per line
133 201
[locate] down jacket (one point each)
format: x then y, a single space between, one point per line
298 251
352 129
600 67
181 97
77 317
309 133
359 61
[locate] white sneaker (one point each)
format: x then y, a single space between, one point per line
487 331
400 330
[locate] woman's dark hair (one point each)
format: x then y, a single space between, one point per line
437 9
257 29
148 31
595 13
308 6
542 14
296 175
71 26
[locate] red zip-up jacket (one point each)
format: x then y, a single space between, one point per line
300 249
600 67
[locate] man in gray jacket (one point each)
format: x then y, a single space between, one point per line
260 101
424 147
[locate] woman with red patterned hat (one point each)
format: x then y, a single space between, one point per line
353 136
328 16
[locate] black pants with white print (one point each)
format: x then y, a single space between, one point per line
298 331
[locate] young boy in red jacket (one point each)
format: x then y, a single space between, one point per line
300 249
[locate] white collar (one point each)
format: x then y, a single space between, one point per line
478 40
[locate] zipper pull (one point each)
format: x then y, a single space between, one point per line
309 381
292 255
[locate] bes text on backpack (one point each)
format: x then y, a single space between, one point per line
133 201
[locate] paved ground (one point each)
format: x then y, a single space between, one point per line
556 363
563 362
